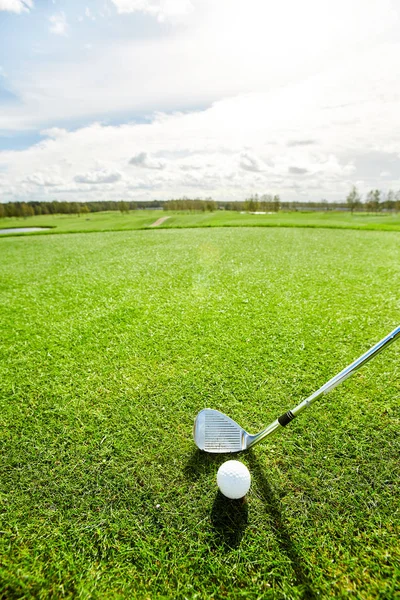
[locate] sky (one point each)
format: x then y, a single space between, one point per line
158 99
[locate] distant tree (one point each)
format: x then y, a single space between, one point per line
11 209
26 210
211 205
324 204
374 200
276 203
2 211
53 207
390 200
397 201
196 205
266 203
252 204
123 207
83 209
353 199
74 208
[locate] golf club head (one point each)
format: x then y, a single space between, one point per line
215 432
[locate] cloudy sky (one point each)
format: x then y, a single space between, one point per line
142 99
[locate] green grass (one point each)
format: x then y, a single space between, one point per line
103 221
112 342
331 220
142 219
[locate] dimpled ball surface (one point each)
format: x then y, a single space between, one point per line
233 479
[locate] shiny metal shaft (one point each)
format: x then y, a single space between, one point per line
283 420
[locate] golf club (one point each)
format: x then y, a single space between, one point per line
215 432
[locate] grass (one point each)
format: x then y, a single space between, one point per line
103 221
330 220
112 342
142 219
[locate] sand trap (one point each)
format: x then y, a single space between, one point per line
159 222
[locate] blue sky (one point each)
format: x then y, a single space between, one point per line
161 98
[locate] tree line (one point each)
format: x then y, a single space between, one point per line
374 201
256 203
55 207
196 205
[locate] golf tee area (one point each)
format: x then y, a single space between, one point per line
116 333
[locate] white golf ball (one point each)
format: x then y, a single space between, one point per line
233 479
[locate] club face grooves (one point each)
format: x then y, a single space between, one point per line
215 432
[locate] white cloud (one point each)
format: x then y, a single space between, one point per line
59 23
297 171
199 153
54 132
290 103
16 6
222 51
145 161
44 180
252 163
294 143
163 10
98 177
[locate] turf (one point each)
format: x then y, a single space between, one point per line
143 219
102 221
111 343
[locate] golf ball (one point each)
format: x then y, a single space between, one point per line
233 479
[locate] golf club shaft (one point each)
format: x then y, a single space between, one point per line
348 371
284 419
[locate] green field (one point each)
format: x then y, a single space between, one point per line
112 342
142 219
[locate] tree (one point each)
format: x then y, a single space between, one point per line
397 201
252 204
353 199
74 208
123 207
390 201
373 200
276 203
26 210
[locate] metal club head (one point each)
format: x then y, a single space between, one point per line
215 432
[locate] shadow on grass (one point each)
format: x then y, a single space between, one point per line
201 463
282 536
229 518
